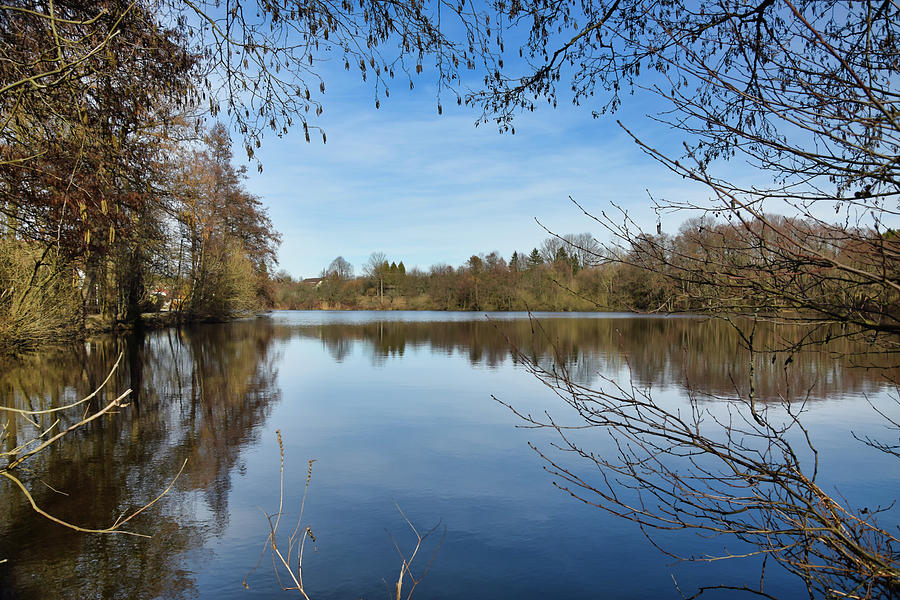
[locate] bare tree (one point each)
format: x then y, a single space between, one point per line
550 248
805 92
339 268
376 268
376 261
739 468
584 248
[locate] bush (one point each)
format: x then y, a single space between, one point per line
39 300
227 283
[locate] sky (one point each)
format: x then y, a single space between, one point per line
427 188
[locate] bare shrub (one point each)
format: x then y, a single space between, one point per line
39 298
736 466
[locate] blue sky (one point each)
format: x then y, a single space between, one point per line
429 189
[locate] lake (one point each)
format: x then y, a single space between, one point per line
398 412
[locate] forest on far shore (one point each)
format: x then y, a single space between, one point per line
707 266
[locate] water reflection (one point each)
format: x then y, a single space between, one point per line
705 355
206 395
199 395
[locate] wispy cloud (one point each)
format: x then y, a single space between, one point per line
429 189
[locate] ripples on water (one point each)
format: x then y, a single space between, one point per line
394 407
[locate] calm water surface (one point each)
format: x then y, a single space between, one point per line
396 410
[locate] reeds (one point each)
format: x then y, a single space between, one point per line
284 559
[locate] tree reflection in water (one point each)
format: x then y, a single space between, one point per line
205 394
200 394
661 352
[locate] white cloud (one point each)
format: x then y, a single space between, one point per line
428 189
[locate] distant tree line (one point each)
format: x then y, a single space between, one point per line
707 266
484 282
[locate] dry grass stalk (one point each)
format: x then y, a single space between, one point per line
406 563
293 544
282 561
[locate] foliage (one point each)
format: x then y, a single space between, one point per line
225 238
94 93
97 108
227 285
39 301
88 104
212 260
709 266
